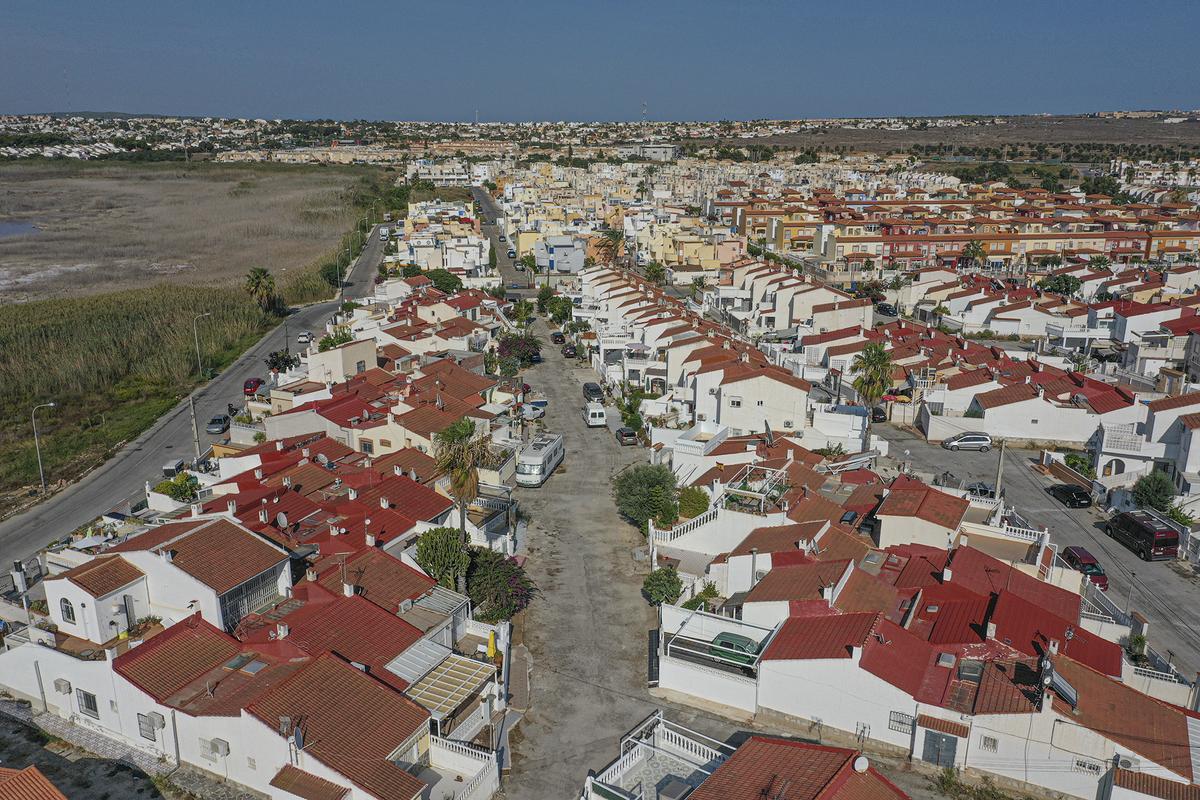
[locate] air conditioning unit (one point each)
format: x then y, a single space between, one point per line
156 720
62 686
1128 762
219 747
406 606
712 391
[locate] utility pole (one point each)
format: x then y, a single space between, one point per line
196 336
1000 470
195 430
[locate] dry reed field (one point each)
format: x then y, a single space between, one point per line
106 226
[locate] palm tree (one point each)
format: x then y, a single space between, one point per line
975 253
940 311
610 243
656 273
260 285
873 367
1099 262
459 454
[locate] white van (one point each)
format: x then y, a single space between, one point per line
594 416
539 459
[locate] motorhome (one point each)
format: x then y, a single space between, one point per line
593 415
539 459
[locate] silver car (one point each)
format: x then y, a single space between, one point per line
969 440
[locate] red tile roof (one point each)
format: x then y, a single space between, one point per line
1006 395
1029 628
911 498
351 722
27 784
943 726
174 658
829 636
102 575
798 582
767 767
306 785
1178 401
381 578
981 573
218 553
1145 783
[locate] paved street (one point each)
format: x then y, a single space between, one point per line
1160 592
124 475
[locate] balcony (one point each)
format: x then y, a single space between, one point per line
1121 438
654 753
459 770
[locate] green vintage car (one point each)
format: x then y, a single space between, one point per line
733 647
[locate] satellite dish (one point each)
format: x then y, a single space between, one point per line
861 764
298 737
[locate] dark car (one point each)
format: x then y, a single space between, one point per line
1071 496
558 338
252 386
592 392
886 309
569 351
1079 558
218 424
535 358
878 414
1149 535
626 436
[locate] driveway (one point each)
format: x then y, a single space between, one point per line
1163 592
123 476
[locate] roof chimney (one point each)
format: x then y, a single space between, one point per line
352 494
195 509
287 481
304 452
349 589
278 444
281 630
262 515
383 502
412 474
167 555
258 472
991 630
946 575
231 506
370 539
310 574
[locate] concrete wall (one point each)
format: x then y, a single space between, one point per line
706 683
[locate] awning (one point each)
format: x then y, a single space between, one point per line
450 684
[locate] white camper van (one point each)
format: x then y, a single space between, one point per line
593 415
539 458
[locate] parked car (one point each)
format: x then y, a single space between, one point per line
886 309
592 392
513 254
535 358
518 266
733 647
304 337
1070 495
1079 558
218 424
251 386
981 489
1146 534
515 285
878 414
558 338
531 412
568 350
969 440
503 238
626 436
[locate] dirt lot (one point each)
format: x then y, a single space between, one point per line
1015 130
112 226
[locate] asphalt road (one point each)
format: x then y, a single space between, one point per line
1161 591
124 475
507 266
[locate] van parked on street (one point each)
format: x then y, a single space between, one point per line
594 416
1152 537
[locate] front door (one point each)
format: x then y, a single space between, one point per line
939 749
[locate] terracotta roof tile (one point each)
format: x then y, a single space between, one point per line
828 636
351 722
27 784
1178 401
942 725
102 575
306 785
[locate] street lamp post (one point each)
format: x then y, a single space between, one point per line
37 444
196 336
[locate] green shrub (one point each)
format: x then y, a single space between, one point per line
693 501
663 585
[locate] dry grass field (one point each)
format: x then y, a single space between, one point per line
108 226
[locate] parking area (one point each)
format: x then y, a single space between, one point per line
1163 592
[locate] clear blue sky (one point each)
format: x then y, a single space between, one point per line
597 59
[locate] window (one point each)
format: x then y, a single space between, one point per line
366 446
251 763
735 402
360 367
146 728
758 403
385 442
87 703
68 610
901 722
1086 766
989 744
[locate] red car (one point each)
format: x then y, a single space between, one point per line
1079 558
251 387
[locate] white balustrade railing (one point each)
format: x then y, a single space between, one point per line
671 534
